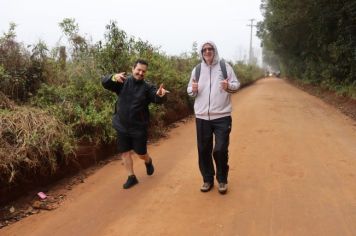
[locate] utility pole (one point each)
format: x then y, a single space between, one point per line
251 52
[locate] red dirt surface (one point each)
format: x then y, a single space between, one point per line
292 172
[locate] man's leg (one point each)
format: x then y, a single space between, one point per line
222 129
126 157
131 180
205 146
125 146
148 163
139 143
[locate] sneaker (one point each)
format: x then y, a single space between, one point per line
131 181
222 188
206 187
149 167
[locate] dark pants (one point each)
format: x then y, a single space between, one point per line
206 129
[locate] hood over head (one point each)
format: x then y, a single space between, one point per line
216 55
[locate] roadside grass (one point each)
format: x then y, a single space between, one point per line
32 144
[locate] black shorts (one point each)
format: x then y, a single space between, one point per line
136 141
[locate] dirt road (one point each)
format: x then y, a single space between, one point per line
293 172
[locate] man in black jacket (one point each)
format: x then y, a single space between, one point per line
131 116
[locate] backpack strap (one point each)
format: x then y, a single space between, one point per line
197 72
222 66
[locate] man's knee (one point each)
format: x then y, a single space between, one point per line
126 154
220 153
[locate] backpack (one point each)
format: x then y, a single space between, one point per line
222 66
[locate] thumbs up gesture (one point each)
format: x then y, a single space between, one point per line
194 86
161 91
224 84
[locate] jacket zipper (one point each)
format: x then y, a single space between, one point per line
209 92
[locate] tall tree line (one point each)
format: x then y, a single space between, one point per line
314 40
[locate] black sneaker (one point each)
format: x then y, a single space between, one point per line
149 167
131 181
206 186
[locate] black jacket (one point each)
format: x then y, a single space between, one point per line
134 96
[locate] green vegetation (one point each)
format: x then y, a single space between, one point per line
312 40
51 100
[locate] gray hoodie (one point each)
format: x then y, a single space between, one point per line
211 101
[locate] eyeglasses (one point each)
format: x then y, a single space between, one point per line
207 49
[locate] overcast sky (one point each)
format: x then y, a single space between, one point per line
172 25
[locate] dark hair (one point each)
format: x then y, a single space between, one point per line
140 61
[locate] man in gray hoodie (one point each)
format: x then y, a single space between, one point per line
212 109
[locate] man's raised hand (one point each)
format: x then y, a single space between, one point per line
224 84
161 91
120 77
194 86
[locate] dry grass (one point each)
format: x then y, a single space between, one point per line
5 102
32 143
